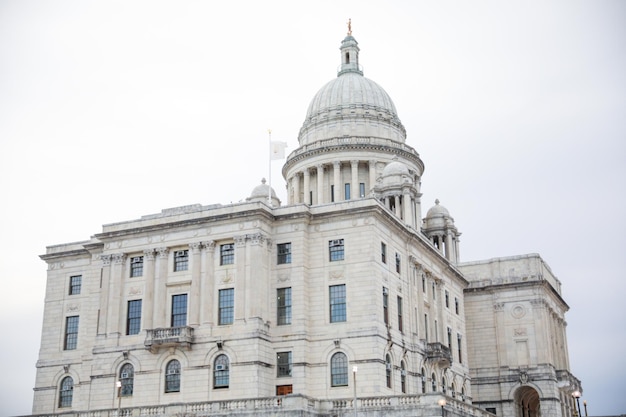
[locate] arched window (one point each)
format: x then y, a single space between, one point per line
66 392
433 383
453 389
221 372
338 370
127 376
423 381
172 376
443 384
403 377
388 367
463 394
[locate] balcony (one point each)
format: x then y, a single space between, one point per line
169 337
438 353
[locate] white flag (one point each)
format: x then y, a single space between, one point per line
277 150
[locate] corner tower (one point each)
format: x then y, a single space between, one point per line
350 134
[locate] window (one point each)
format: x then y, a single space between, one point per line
221 372
458 345
172 376
433 383
426 326
284 253
179 310
450 339
386 306
397 262
339 370
403 377
181 260
283 360
434 292
335 250
227 254
443 385
383 252
332 193
447 295
400 324
226 306
75 283
133 317
423 377
310 197
66 392
71 333
362 189
127 376
283 302
347 191
337 303
423 284
136 266
388 368
456 305
284 389
491 410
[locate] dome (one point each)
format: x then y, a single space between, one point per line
351 105
395 168
262 192
437 211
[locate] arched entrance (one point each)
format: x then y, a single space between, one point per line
527 402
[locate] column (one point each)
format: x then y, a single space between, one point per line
209 295
104 294
372 166
448 246
196 263
396 208
115 293
320 184
307 186
241 278
159 318
407 207
354 188
148 303
337 179
296 188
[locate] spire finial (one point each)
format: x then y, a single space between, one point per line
349 27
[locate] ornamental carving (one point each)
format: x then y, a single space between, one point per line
336 274
240 241
518 312
195 247
149 254
119 258
283 277
257 238
135 291
520 331
72 308
498 306
226 278
163 252
523 377
210 245
106 259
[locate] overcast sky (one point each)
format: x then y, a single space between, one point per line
113 110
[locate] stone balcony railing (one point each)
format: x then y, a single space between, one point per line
438 353
170 336
296 404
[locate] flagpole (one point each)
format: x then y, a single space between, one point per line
269 160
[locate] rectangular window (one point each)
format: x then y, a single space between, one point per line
71 333
337 303
397 262
332 193
226 306
456 305
434 292
136 266
423 284
335 250
283 302
284 253
400 324
386 306
383 252
133 317
436 330
458 344
450 339
179 310
227 254
426 326
362 189
347 191
75 284
447 299
310 198
283 361
181 260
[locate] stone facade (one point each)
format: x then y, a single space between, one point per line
344 301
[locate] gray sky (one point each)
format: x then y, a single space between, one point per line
112 110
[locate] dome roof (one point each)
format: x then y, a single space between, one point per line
437 211
395 168
262 192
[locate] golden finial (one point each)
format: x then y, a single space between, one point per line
349 27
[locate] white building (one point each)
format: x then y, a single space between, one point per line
344 300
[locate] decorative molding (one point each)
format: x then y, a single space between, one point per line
498 306
524 378
149 254
518 311
283 277
195 247
520 331
106 260
257 238
163 252
135 291
226 278
335 274
210 245
72 308
240 241
119 258
66 368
